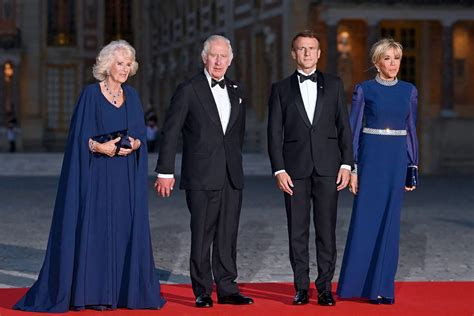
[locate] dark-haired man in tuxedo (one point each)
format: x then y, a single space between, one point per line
209 111
310 148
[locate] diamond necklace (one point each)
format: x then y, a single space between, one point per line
113 95
385 82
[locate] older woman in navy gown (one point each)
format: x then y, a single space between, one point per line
383 119
99 253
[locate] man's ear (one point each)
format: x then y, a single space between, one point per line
293 54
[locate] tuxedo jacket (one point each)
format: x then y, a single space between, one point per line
208 153
296 145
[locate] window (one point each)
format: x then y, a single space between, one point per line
60 96
61 23
388 32
6 10
407 34
198 20
213 14
461 52
118 20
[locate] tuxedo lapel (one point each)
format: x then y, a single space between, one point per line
234 103
296 95
203 91
320 97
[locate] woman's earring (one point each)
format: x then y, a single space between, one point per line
378 70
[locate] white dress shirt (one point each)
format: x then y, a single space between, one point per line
309 93
221 97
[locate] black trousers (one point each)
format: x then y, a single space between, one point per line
214 221
322 192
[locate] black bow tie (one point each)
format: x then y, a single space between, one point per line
310 77
220 83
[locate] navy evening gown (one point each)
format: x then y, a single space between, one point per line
99 252
371 254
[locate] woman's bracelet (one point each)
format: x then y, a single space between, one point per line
92 144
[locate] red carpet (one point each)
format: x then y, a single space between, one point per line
412 298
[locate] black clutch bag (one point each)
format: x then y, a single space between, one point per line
124 142
412 177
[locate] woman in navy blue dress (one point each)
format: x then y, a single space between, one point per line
99 253
383 117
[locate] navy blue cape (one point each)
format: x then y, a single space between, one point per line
55 290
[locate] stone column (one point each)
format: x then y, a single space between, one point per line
297 16
16 88
33 84
447 108
373 34
3 90
331 65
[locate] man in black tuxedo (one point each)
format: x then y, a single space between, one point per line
209 111
310 148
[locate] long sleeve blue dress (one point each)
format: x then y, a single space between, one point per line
371 254
99 252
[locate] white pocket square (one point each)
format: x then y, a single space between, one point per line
240 100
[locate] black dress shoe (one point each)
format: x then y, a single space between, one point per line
235 299
325 299
203 301
301 297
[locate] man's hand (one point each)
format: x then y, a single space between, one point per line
164 186
284 183
354 185
343 178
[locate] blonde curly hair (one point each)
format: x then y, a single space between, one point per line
106 56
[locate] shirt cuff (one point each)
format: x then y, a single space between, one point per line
347 167
279 171
165 175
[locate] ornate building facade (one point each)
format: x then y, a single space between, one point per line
437 37
47 49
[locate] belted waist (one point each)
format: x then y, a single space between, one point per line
386 131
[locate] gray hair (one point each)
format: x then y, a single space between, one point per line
212 38
106 56
378 49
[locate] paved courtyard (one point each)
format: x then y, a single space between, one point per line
437 234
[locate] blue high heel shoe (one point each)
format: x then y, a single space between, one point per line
383 300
